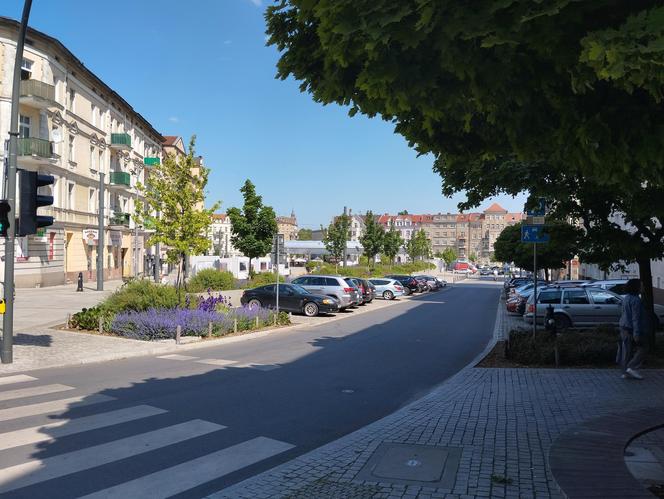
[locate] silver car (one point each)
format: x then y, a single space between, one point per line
329 285
388 288
580 306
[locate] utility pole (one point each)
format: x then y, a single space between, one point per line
7 353
345 236
157 261
535 289
100 236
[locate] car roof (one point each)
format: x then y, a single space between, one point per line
607 282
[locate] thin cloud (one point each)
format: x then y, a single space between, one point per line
257 3
173 119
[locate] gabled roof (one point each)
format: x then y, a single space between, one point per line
495 208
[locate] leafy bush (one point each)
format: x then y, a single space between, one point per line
262 279
88 319
142 295
212 279
377 270
213 303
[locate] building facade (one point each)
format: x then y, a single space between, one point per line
74 127
288 227
220 237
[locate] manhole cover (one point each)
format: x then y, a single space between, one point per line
412 464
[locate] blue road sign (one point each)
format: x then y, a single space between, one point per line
540 211
533 234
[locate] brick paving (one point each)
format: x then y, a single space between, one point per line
503 420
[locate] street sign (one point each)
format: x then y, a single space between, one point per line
533 234
540 210
278 239
535 220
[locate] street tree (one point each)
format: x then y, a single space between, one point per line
304 234
473 257
563 245
373 238
336 237
171 207
253 226
392 243
449 255
501 111
419 246
403 212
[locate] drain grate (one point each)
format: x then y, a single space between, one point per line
409 464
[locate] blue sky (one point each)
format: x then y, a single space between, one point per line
201 67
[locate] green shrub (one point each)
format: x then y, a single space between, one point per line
215 280
141 295
377 271
88 319
262 279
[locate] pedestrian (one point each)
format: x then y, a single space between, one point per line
633 333
495 274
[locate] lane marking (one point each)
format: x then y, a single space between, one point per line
216 362
176 356
52 408
185 476
51 431
39 470
18 378
260 367
34 391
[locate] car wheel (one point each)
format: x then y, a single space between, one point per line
407 291
311 309
562 321
254 304
388 295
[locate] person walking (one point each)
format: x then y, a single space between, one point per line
632 331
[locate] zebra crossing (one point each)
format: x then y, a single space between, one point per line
38 460
222 363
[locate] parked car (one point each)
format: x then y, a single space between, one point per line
423 284
434 284
363 287
515 282
292 298
329 285
409 283
572 283
355 284
617 286
388 288
580 306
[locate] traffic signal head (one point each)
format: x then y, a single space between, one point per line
4 217
28 220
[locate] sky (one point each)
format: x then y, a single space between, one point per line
202 67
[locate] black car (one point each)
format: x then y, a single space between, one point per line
409 283
292 298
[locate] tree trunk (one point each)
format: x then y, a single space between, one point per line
251 272
546 274
645 274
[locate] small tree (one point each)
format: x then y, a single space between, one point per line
449 255
373 238
253 226
392 243
336 238
403 212
472 257
304 234
175 194
419 246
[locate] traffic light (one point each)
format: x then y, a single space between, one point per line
4 217
28 220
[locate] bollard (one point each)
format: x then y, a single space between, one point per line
256 321
209 329
101 325
235 325
79 286
178 332
68 321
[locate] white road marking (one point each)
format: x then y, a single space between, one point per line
39 470
18 378
260 367
176 356
177 479
51 431
53 408
216 362
34 391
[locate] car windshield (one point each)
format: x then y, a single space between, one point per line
299 289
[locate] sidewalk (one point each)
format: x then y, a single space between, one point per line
495 426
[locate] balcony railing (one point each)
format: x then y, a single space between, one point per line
120 218
151 161
35 147
121 140
120 178
36 88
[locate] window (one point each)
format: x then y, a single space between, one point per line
56 144
71 147
317 281
70 195
24 127
93 109
93 158
243 266
575 297
26 69
91 200
72 100
101 161
550 296
331 281
601 297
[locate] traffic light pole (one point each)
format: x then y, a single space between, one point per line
100 236
7 354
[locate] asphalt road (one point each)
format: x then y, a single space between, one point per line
189 425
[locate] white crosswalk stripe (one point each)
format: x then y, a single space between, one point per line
216 362
175 356
260 367
52 408
190 474
39 470
17 378
33 392
51 431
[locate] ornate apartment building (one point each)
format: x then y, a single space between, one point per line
73 126
288 226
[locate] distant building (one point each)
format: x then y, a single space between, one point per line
288 226
220 237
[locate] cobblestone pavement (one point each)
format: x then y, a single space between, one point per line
503 420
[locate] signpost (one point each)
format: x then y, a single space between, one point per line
278 251
534 233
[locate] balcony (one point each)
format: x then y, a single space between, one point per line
33 153
37 94
121 141
151 161
120 178
119 218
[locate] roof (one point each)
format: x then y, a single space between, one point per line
33 32
169 140
495 208
219 216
